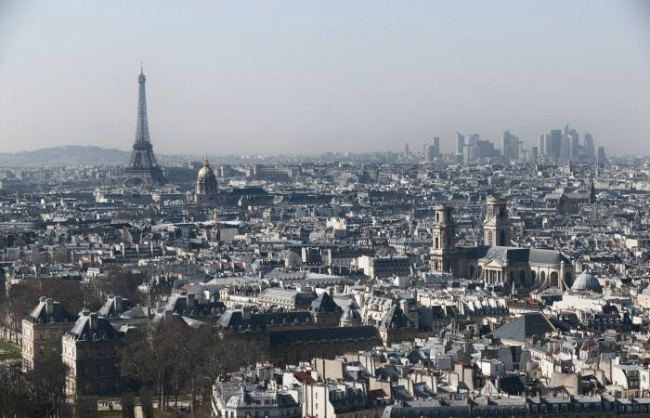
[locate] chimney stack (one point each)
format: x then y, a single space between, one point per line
93 320
118 304
49 306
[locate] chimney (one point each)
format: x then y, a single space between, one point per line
117 300
246 313
404 306
93 320
49 306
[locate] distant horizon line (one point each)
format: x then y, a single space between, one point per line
263 154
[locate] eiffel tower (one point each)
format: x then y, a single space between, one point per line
143 168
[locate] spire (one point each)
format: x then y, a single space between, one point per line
205 160
142 130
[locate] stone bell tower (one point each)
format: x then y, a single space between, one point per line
496 227
444 240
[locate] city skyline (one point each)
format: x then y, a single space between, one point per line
304 78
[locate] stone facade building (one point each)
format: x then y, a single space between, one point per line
91 352
43 328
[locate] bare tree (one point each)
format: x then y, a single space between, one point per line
85 407
146 401
128 405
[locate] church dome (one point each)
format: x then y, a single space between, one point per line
351 317
205 173
586 282
206 181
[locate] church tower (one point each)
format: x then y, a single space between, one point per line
444 240
591 185
444 229
496 227
143 168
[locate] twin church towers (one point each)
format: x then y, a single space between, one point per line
515 270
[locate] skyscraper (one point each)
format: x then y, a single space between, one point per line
555 150
602 157
429 153
142 168
510 146
590 152
505 145
460 143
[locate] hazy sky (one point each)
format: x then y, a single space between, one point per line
309 76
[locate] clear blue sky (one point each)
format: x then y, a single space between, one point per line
309 76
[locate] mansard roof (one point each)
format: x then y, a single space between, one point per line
56 312
235 319
325 335
93 327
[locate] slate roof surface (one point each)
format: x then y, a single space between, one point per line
324 335
524 327
84 330
235 319
513 255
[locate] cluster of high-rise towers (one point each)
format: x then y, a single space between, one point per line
556 147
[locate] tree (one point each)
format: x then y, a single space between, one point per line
33 394
155 359
86 407
146 400
48 387
173 357
128 405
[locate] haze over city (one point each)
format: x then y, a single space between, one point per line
307 77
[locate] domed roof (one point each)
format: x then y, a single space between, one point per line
205 173
586 281
351 315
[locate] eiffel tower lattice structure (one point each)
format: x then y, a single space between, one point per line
142 168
